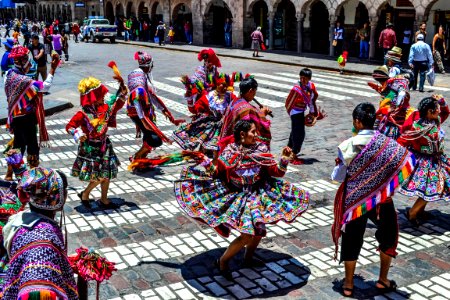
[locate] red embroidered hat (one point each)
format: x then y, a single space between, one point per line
18 52
210 56
144 59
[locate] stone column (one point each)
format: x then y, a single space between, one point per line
270 17
300 18
331 34
373 38
197 22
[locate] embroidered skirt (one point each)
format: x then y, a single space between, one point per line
430 178
225 207
202 133
95 160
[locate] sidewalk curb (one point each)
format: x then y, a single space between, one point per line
150 45
48 112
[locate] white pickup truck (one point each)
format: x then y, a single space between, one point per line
99 29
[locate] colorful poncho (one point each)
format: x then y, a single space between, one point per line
24 97
372 177
38 268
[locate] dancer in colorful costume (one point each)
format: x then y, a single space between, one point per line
204 130
38 266
423 135
240 192
96 161
371 166
394 106
342 61
25 105
141 106
241 109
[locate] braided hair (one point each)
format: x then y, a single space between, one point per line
241 126
426 104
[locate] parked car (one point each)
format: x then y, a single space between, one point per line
98 29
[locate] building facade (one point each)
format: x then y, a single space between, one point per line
294 25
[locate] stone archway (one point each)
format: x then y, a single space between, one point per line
180 15
285 26
319 26
143 11
213 25
130 10
260 12
109 12
119 10
157 14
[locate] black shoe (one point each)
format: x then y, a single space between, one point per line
225 273
386 289
421 90
85 203
414 222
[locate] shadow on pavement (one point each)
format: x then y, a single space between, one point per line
281 275
434 222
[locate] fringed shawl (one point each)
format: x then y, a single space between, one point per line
372 177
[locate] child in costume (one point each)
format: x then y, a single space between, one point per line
96 161
38 266
371 166
342 60
240 192
204 130
141 106
423 135
394 105
303 96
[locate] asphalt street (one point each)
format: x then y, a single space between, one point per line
162 254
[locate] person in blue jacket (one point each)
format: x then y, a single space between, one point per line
7 63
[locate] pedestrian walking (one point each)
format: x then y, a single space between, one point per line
96 161
40 58
161 33
257 40
228 29
7 62
171 35
422 30
7 29
141 106
387 38
420 60
364 37
439 49
65 44
126 29
424 136
76 31
302 97
239 192
338 39
370 167
188 32
407 38
57 42
47 40
39 267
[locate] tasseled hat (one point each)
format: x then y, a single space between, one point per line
45 188
144 59
91 89
210 55
20 56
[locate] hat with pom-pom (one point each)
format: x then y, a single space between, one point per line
144 59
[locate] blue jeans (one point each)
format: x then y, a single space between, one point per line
228 39
364 49
188 37
126 35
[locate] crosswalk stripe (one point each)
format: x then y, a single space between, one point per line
263 101
320 262
328 84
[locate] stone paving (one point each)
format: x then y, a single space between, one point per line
163 254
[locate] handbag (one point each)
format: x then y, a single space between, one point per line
334 43
431 76
263 47
156 40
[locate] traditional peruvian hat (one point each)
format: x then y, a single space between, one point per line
395 54
210 55
20 56
144 59
91 89
45 188
381 72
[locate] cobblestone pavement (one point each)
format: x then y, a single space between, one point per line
163 254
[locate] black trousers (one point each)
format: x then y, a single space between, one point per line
386 234
297 135
422 68
149 138
25 134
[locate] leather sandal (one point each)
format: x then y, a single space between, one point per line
414 222
386 289
347 289
85 203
